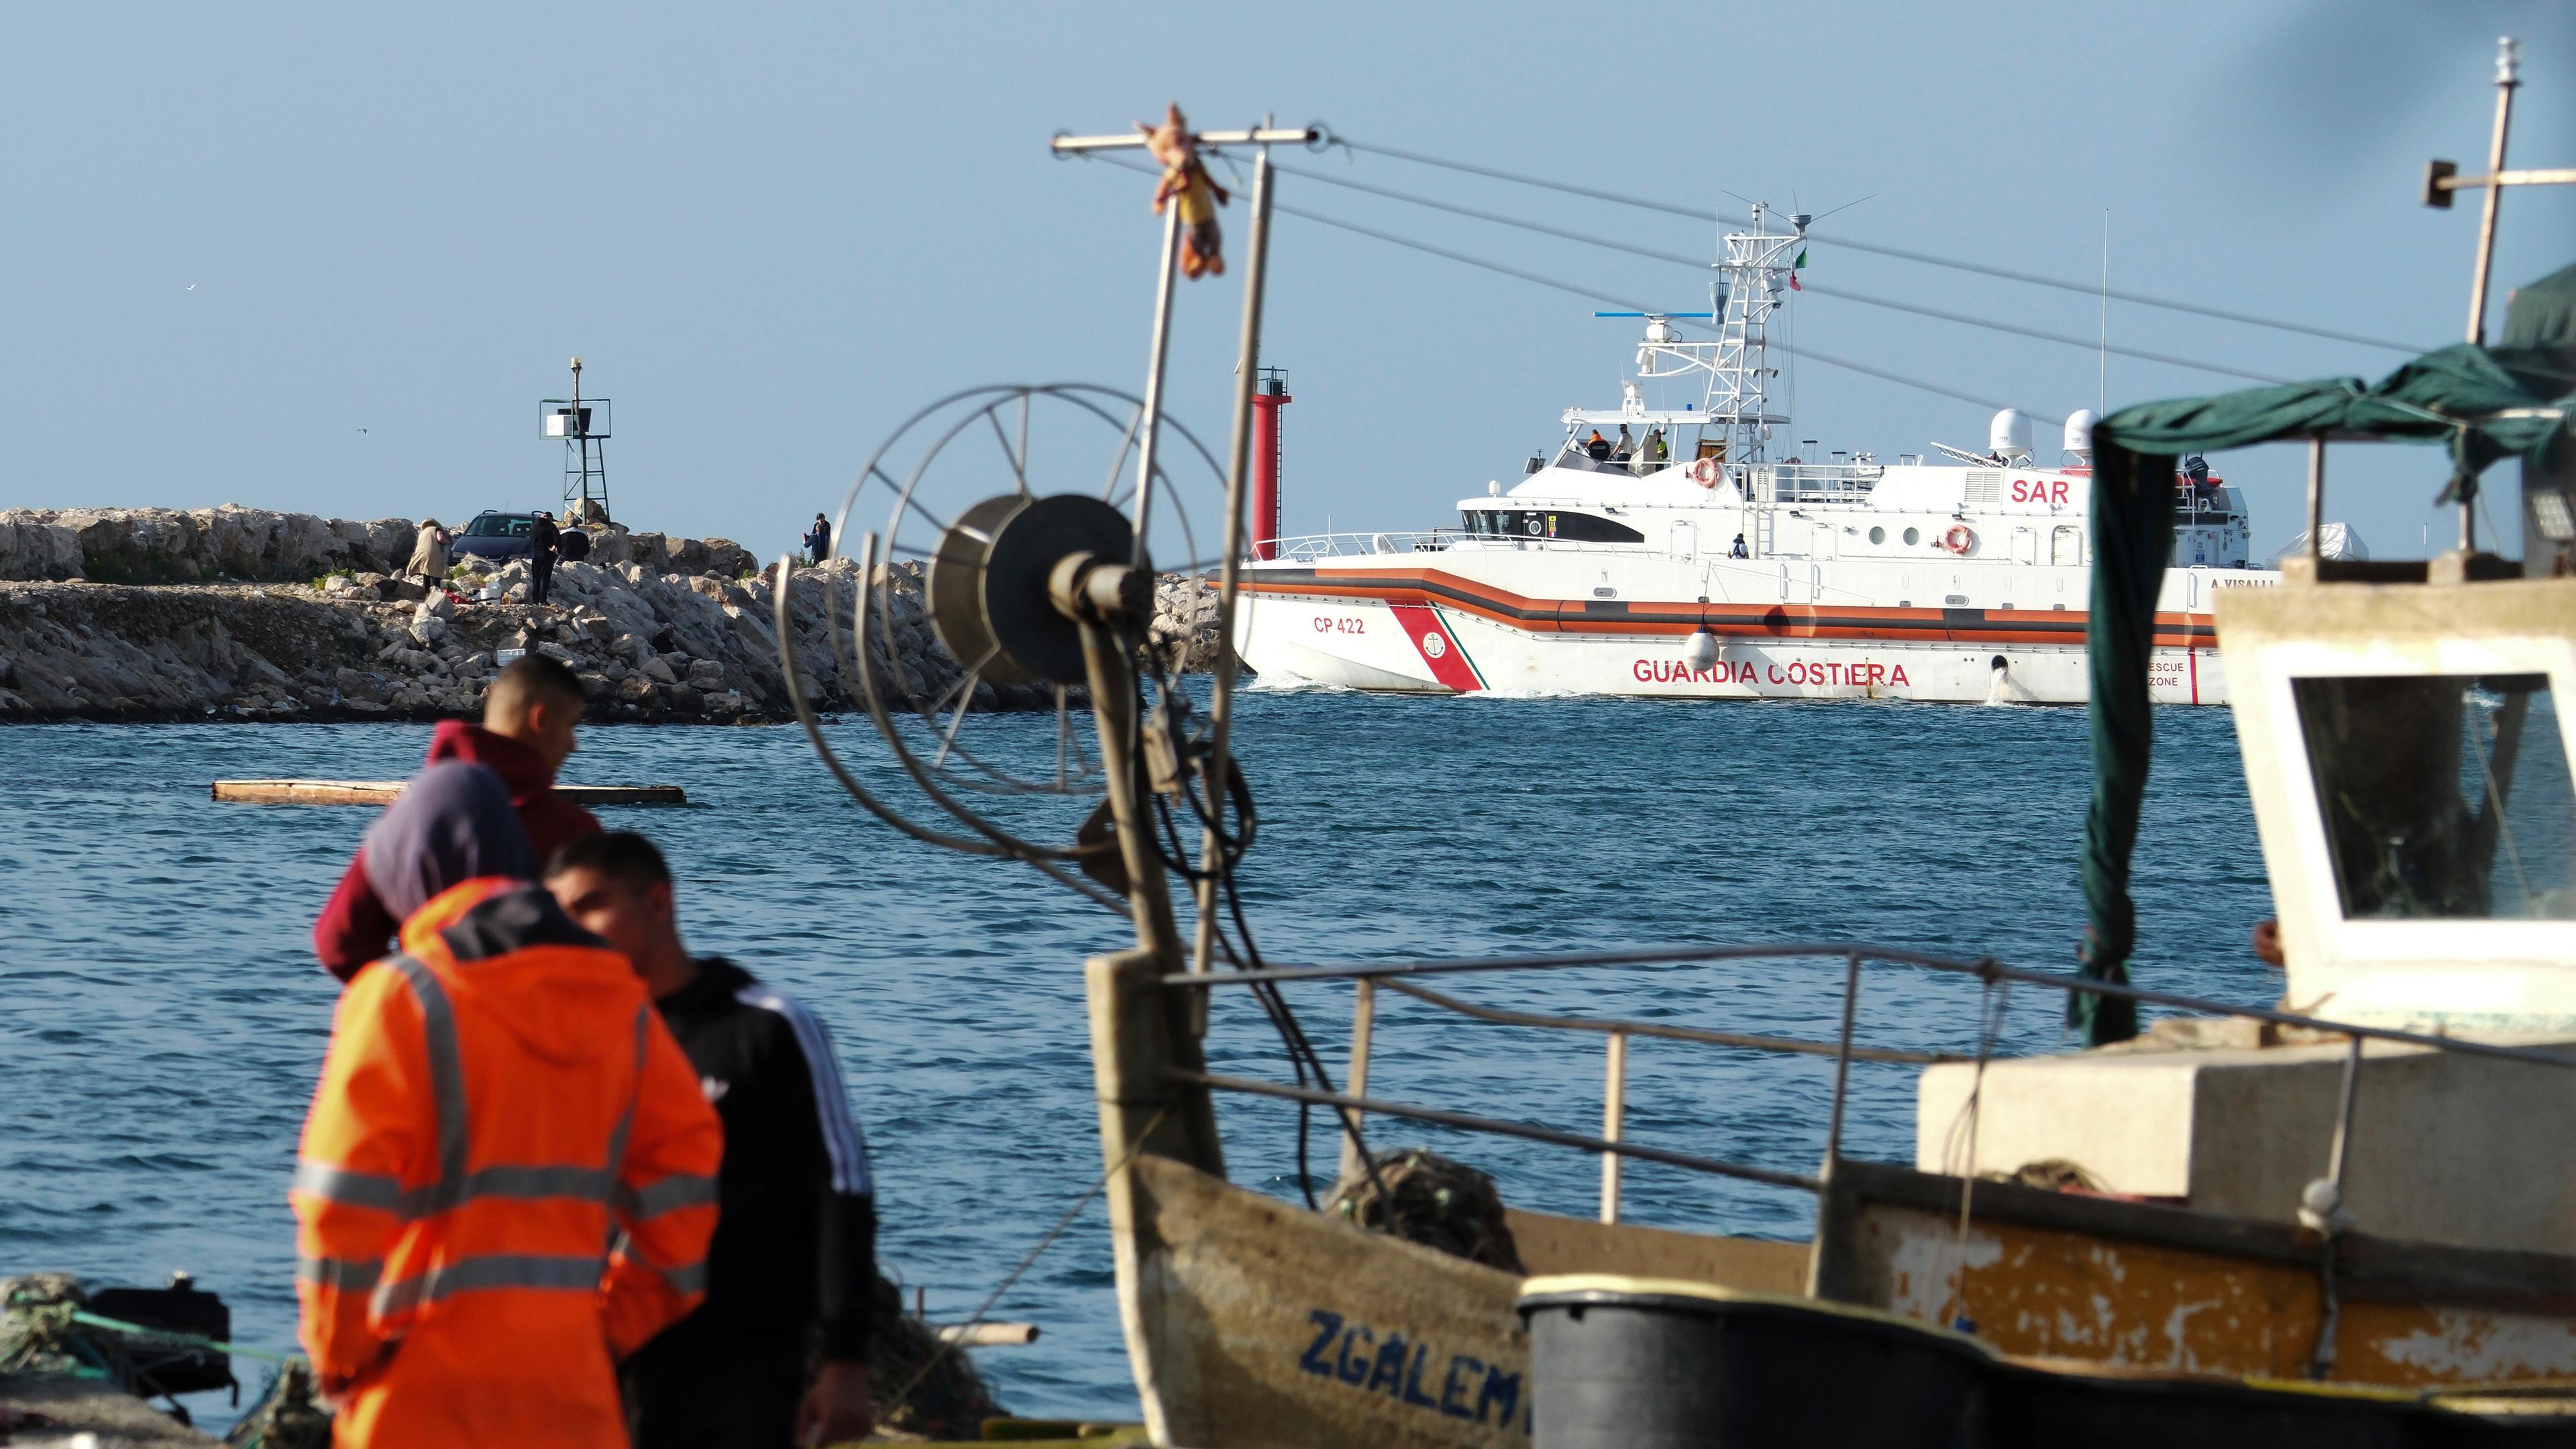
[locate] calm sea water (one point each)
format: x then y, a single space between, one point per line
163 1020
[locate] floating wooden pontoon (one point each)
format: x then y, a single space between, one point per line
381 792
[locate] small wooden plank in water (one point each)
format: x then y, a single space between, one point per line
379 792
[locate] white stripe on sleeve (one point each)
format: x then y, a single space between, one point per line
842 1139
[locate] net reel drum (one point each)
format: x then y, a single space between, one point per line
976 570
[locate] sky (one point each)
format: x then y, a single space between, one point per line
329 259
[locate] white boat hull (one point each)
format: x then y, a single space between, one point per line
1366 636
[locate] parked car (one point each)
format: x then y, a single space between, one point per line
505 536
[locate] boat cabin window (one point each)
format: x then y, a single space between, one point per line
1547 523
2443 796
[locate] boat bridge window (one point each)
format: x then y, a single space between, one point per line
2443 796
1548 523
1637 463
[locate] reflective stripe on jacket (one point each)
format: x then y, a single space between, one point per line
497 1098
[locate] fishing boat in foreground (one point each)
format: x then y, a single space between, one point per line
1670 551
2351 1221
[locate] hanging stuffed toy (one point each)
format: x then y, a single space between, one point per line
1185 178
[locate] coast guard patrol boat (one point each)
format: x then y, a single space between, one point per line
1663 551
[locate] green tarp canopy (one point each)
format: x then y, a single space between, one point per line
2482 403
2543 315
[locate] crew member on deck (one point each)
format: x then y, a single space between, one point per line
527 732
1597 447
794 1258
1627 447
1738 550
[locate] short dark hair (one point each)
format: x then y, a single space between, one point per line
530 679
621 855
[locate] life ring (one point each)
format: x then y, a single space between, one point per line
1704 472
1959 539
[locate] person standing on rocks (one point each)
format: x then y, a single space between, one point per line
527 732
429 553
818 540
507 1177
542 538
794 1255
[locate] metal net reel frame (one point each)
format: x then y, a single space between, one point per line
935 777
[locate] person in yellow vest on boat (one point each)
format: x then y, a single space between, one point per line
498 1097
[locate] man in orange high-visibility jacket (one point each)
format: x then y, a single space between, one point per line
498 1095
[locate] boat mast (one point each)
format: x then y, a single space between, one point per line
1750 287
2442 178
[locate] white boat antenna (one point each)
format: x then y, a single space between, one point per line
1752 281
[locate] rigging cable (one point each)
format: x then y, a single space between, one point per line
1596 294
1898 253
2089 344
1163 834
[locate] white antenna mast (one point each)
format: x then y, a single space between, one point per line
2102 369
1752 282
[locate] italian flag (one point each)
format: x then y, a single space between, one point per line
1796 267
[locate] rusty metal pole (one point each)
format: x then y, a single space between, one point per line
1218 767
1150 429
2508 79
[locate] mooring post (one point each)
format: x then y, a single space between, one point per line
1614 1113
1363 1029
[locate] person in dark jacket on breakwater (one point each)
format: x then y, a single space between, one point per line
527 731
543 536
794 1256
818 540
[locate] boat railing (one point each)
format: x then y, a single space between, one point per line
1308 547
1822 482
1612 1145
1317 546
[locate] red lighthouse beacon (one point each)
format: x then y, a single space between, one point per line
1267 399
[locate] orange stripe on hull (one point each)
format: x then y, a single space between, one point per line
1423 587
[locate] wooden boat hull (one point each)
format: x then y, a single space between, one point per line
2147 1286
1261 1324
1267 1325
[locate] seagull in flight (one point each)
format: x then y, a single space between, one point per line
192 286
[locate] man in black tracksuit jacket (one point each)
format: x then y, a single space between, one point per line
793 1265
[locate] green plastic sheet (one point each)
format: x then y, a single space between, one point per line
2483 404
2133 527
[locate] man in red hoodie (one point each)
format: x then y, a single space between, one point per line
527 732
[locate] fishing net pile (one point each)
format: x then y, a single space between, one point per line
921 1385
286 1417
39 1336
67 1382
1430 1200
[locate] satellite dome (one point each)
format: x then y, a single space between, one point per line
2010 434
2079 433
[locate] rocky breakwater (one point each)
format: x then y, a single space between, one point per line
658 629
165 545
